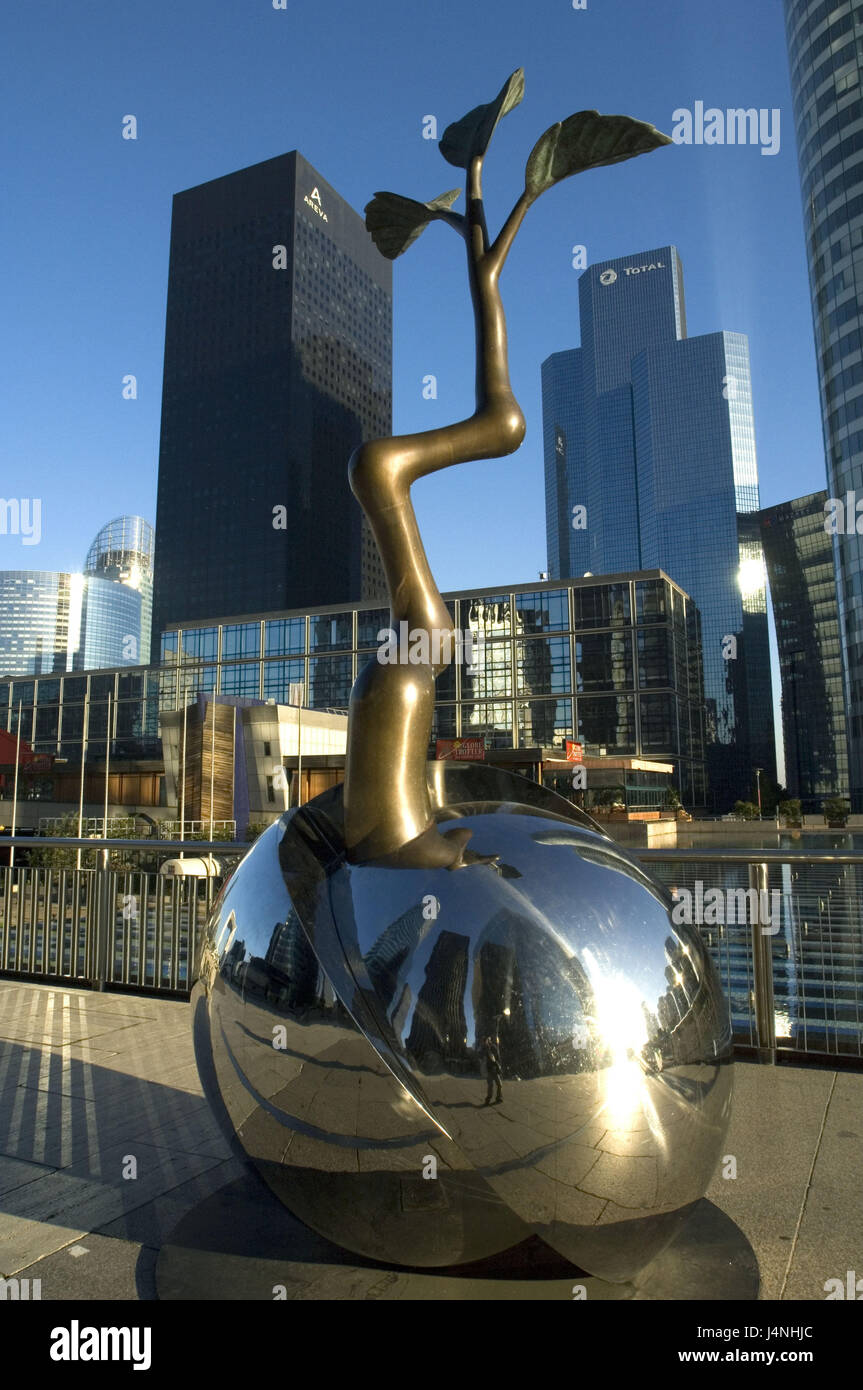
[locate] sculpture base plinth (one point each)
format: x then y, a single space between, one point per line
241 1244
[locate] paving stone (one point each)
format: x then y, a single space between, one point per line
86 1079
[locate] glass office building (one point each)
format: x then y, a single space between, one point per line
66 622
53 621
614 663
123 552
37 608
824 50
650 462
278 363
799 556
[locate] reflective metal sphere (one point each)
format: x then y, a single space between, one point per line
355 1026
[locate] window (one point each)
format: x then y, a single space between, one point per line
658 724
654 657
241 639
284 636
199 643
490 672
543 666
331 632
369 624
606 724
651 601
602 605
489 614
330 681
604 661
241 679
544 723
543 612
488 721
279 676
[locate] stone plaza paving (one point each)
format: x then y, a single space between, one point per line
107 1145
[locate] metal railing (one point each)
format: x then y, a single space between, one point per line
794 982
106 925
793 976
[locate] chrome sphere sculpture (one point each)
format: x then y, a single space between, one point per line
440 1008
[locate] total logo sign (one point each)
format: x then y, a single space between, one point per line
608 277
313 201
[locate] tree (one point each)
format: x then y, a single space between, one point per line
771 794
791 811
747 810
256 828
836 810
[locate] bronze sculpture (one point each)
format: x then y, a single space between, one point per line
387 808
350 985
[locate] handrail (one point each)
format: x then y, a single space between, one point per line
745 856
70 842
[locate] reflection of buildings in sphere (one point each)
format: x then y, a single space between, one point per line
610 1025
439 1024
394 946
293 963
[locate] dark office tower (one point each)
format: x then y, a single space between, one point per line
799 556
278 351
824 46
650 462
438 1024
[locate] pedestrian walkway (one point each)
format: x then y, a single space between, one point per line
107 1145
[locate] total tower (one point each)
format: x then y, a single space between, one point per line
649 444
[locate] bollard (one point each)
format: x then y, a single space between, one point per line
105 892
762 970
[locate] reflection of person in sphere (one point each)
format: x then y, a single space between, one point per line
492 1070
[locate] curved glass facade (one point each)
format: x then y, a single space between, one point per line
123 552
825 46
52 621
110 631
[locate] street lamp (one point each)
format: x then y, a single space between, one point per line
758 772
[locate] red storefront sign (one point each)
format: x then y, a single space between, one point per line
574 751
468 750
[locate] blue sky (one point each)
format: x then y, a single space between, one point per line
219 85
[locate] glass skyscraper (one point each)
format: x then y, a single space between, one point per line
825 42
799 556
53 621
37 608
650 462
123 552
278 363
